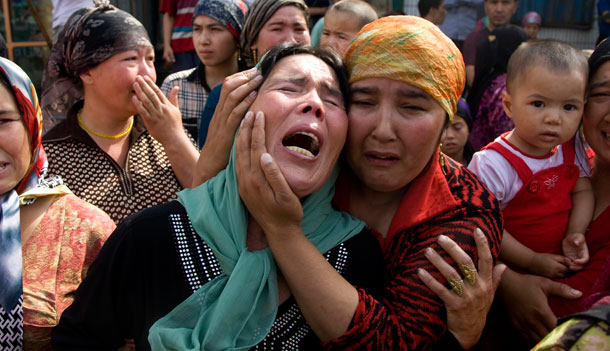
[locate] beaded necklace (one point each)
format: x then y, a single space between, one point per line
118 136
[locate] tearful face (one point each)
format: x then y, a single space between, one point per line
305 120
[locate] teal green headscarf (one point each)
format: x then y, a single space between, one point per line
236 310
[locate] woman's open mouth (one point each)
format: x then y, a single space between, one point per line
306 144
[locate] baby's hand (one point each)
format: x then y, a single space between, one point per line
575 248
549 265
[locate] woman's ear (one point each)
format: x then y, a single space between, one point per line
86 77
507 103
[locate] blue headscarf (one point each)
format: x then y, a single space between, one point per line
229 13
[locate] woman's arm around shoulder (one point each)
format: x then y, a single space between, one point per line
408 316
412 315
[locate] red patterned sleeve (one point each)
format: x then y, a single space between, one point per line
409 316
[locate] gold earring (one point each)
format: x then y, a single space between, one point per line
441 159
238 56
254 56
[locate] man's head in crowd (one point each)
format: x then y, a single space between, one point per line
432 10
500 11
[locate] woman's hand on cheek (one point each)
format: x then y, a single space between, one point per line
161 116
262 186
237 94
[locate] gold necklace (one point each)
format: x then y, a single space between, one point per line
82 124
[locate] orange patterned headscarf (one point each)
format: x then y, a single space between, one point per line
411 50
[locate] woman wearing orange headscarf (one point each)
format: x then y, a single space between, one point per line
406 78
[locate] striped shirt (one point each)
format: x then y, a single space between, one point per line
182 32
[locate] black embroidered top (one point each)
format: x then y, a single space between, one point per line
11 328
155 260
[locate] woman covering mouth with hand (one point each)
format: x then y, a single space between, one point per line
122 147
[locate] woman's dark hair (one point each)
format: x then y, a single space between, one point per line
283 50
599 56
464 111
424 6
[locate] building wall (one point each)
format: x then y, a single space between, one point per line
582 39
410 7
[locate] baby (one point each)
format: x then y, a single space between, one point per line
538 171
343 21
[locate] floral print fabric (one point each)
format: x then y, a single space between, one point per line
56 260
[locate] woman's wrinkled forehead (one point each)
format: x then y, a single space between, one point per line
319 64
301 69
